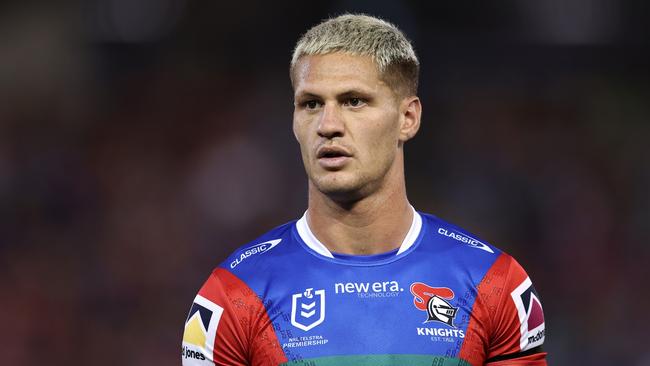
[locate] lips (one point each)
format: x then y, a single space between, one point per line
332 157
332 152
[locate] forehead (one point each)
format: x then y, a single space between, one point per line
336 72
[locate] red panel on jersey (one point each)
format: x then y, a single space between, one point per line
245 335
495 321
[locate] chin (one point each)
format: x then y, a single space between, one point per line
339 188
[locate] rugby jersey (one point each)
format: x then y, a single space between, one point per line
443 297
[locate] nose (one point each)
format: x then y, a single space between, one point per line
331 123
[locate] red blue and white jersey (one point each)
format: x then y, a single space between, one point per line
443 298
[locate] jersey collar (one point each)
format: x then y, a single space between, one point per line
314 244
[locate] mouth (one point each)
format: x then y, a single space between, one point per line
332 152
332 157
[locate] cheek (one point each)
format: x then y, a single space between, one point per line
302 137
384 135
299 132
379 146
384 144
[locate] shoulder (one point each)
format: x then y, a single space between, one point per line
508 312
235 271
465 246
247 264
262 248
453 235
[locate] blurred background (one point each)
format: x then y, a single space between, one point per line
141 141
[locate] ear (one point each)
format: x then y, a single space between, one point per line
410 113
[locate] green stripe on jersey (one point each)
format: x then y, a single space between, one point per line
380 360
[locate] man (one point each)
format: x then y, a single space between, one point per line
362 278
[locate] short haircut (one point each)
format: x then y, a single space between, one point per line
363 35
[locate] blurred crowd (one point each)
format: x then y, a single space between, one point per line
143 141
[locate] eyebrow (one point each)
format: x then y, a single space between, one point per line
355 93
346 94
307 95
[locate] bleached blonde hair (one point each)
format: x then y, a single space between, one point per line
363 35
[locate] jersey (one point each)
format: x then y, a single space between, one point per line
443 298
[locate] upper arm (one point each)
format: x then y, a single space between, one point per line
507 322
518 327
228 325
215 332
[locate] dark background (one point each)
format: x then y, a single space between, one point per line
141 141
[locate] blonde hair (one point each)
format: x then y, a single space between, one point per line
364 35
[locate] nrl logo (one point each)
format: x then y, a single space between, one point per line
433 300
308 309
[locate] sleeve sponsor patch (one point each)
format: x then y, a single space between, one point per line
531 315
200 332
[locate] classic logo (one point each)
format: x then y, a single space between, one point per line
255 249
433 300
531 315
308 309
463 238
200 330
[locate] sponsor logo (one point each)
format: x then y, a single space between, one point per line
369 289
531 315
308 309
186 352
201 330
466 239
255 249
435 302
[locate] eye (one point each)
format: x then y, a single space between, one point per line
355 102
311 104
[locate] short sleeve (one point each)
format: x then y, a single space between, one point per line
518 326
228 325
507 320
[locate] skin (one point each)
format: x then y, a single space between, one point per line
357 193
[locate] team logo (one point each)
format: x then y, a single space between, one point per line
201 330
531 315
308 309
433 300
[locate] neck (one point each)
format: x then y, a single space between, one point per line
374 224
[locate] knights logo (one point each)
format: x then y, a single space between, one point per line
434 300
308 309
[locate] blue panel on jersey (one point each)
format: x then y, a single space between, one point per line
417 302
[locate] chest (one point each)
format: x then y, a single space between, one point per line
387 315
